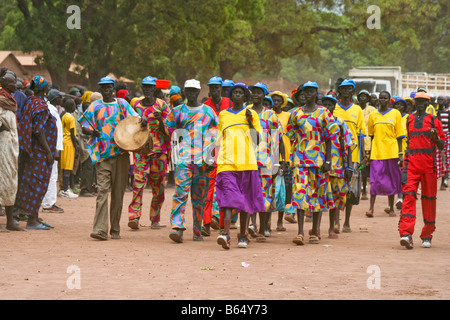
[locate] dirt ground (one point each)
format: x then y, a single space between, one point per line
146 264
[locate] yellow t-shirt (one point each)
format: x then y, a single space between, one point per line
405 139
236 148
354 118
283 117
367 140
68 123
386 129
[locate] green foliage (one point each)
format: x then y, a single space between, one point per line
298 40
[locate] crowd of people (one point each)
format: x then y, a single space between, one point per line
243 153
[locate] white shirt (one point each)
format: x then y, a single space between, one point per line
59 140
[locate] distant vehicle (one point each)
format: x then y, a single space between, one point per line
377 79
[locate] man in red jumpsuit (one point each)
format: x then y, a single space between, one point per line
425 134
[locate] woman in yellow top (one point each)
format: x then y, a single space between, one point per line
238 184
70 144
386 129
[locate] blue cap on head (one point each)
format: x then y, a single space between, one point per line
149 81
107 80
174 90
268 98
399 99
262 86
348 82
228 83
215 80
240 85
330 97
310 84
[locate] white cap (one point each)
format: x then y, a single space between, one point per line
192 84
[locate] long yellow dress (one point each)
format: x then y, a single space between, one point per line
68 154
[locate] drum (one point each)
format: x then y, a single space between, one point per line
131 136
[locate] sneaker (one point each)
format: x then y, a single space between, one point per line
426 243
68 194
252 230
242 242
224 240
406 241
53 209
399 204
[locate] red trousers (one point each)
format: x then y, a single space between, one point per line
207 214
428 182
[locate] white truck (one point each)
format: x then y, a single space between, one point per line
377 79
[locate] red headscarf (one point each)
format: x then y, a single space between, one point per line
122 93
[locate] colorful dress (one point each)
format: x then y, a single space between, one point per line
152 166
308 133
34 172
196 129
268 156
342 145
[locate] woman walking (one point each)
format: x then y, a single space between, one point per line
386 129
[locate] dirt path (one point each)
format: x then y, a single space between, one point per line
146 264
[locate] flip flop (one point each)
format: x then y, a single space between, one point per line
280 228
369 214
39 227
346 229
332 235
298 240
47 225
313 239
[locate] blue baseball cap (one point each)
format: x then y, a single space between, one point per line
174 90
215 80
330 97
268 98
262 86
149 81
228 83
240 85
107 80
348 82
310 84
399 99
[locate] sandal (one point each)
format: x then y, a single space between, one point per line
314 239
332 235
260 238
100 235
298 240
310 233
346 229
134 224
281 228
369 214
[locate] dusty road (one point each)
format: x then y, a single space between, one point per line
65 263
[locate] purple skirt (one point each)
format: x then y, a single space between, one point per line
385 177
240 190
